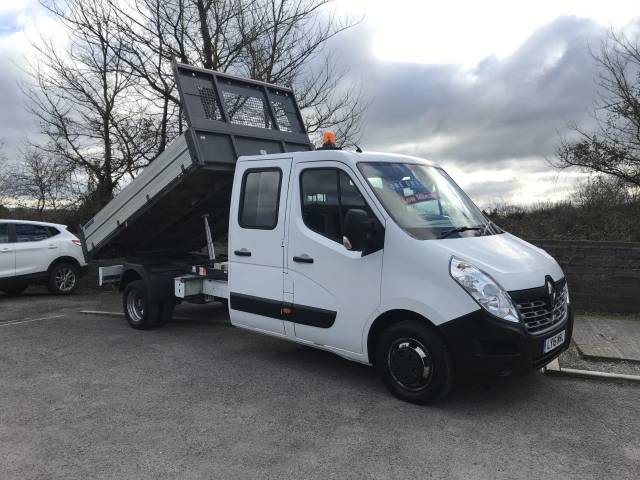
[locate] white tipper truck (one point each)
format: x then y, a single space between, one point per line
379 258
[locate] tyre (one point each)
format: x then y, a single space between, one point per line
141 313
63 279
16 289
413 362
166 312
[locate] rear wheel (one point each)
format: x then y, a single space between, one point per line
414 363
141 313
166 312
63 279
15 289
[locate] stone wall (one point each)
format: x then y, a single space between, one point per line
602 276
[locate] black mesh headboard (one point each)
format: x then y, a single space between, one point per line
230 116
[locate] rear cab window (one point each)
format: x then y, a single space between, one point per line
260 198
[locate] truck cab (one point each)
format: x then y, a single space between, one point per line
384 260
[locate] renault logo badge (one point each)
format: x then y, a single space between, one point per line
551 293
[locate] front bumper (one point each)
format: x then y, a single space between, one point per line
483 345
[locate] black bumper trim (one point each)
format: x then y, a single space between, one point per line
483 345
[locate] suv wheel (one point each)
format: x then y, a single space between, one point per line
414 363
15 289
63 279
141 313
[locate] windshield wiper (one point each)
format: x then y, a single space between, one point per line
457 230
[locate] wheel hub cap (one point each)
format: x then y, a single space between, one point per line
410 364
65 279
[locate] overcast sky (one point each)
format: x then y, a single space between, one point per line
484 88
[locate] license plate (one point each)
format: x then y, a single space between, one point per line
554 342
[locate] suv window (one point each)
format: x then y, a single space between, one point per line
31 233
326 195
260 199
4 233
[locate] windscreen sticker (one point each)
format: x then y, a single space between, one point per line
418 198
418 192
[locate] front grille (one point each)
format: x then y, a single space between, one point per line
538 317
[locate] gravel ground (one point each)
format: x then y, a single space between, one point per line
87 397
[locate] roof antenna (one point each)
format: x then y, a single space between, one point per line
358 149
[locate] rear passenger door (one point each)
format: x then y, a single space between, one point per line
33 249
7 253
256 233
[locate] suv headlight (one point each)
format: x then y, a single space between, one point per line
484 290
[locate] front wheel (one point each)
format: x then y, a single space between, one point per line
414 363
141 313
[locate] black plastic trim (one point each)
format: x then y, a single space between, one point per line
291 312
302 259
483 345
311 316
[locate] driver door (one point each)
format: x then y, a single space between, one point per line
334 291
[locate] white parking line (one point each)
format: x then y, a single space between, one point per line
101 312
18 322
118 314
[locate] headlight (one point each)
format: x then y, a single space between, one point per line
566 292
484 290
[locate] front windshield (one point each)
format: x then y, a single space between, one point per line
424 201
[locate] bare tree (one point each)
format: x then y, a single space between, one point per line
4 178
278 41
107 102
38 182
291 49
84 99
613 148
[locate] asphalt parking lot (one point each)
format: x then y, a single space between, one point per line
85 396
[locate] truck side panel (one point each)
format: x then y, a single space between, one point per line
165 169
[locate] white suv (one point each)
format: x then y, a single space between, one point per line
39 252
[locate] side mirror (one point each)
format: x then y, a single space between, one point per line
355 229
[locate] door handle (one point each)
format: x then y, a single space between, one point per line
304 258
5 250
51 247
243 252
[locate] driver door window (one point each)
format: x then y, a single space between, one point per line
327 194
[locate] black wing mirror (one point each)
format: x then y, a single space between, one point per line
356 229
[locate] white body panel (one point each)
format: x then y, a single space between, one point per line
190 285
7 260
110 274
32 257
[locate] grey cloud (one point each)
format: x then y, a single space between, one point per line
16 123
504 109
491 192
